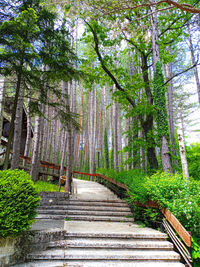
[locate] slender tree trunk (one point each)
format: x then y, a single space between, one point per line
171 113
63 152
1 104
18 132
28 136
69 147
11 132
47 156
182 153
193 62
79 134
41 136
115 121
54 133
119 126
147 124
34 171
91 129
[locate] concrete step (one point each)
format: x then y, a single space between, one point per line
98 263
136 236
113 243
126 230
104 254
93 203
85 218
74 207
85 212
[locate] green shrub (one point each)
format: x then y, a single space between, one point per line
19 200
193 158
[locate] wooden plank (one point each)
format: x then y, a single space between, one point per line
183 233
148 204
112 181
84 173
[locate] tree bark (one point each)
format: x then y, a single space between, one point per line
63 152
147 124
69 146
170 100
1 104
35 149
28 136
11 132
182 153
17 132
115 121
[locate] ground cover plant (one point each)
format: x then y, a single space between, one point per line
19 200
47 186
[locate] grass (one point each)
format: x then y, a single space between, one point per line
47 186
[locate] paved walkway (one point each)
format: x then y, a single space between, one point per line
98 233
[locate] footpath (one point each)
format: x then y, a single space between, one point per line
94 228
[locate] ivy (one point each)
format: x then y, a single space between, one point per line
159 91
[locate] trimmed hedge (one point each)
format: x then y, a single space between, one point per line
19 200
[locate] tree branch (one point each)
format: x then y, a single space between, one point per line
96 41
177 74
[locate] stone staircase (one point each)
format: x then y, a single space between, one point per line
99 233
89 210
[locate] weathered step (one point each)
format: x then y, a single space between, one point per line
104 254
113 243
64 263
93 203
74 207
85 212
137 236
85 218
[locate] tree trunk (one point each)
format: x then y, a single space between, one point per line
115 121
182 153
17 132
69 145
63 152
147 125
165 156
171 114
28 136
1 104
35 149
11 132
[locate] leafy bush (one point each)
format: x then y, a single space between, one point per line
193 158
173 191
19 200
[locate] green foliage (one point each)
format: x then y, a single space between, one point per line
159 91
46 186
196 249
19 200
193 159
